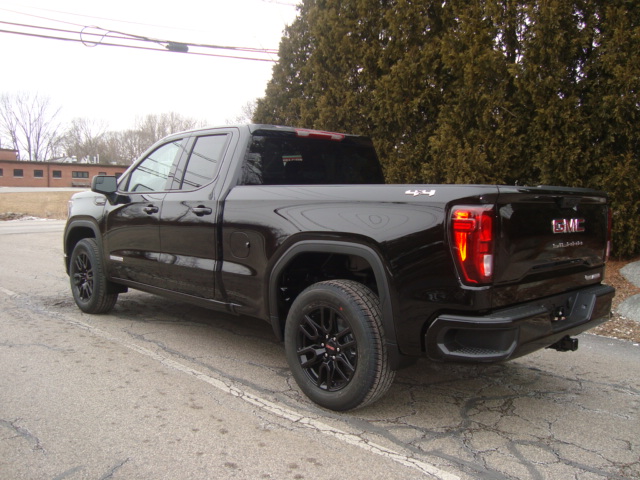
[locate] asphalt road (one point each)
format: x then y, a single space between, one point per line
161 390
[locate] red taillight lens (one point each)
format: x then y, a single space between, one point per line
473 237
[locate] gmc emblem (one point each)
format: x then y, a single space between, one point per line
567 225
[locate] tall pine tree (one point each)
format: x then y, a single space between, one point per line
503 91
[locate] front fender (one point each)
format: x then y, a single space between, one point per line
75 230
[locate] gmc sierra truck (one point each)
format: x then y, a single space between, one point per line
358 279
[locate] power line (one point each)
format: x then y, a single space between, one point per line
138 47
40 17
112 19
128 36
276 2
127 40
84 16
135 41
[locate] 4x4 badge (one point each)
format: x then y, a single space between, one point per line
415 193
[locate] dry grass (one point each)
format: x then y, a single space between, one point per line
37 204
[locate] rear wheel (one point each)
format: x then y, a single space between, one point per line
335 345
89 284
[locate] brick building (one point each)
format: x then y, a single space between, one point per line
6 154
15 173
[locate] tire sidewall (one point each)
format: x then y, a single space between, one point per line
89 247
353 394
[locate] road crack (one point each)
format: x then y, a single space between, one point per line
24 433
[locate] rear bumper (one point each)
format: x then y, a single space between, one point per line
517 331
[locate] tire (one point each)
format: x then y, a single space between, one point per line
89 284
335 345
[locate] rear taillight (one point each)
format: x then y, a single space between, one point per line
472 235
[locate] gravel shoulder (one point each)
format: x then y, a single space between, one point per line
620 326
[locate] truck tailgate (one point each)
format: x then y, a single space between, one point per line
550 240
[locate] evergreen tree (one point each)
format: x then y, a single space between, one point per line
612 107
287 99
410 90
503 91
478 134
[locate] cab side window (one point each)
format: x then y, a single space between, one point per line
204 161
152 174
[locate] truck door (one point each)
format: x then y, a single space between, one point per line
132 236
188 221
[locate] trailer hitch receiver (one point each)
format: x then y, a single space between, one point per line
565 344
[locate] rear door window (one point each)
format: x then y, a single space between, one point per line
204 161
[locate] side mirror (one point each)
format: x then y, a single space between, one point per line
104 185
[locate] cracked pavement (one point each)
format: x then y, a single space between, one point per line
164 390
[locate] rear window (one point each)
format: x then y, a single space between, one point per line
293 160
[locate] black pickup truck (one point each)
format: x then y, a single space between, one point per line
296 227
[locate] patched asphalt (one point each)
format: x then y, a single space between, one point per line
630 308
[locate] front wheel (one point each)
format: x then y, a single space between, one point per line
335 346
89 284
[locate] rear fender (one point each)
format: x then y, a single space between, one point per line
342 248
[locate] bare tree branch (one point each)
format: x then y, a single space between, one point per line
85 139
29 123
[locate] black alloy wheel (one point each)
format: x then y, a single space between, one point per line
326 348
89 285
83 277
335 346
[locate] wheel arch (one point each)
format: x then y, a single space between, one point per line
329 248
74 232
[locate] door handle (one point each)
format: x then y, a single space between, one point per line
149 209
201 210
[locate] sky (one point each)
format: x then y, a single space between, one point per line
117 85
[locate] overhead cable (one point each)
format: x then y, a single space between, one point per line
127 40
78 40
